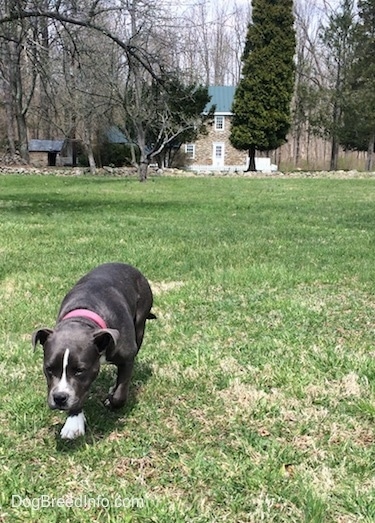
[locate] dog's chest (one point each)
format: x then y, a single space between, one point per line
103 359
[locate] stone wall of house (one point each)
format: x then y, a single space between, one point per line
204 147
38 159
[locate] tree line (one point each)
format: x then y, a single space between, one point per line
335 80
73 68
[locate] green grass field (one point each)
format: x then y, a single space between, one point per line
253 398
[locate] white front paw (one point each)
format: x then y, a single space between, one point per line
111 390
74 427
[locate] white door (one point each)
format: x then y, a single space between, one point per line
218 155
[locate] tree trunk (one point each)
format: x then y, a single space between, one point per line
90 155
45 78
10 119
297 146
89 148
20 113
336 118
251 165
74 150
22 137
143 160
142 170
334 154
370 152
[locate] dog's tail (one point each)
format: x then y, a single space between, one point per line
151 316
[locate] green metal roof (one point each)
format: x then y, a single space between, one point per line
221 96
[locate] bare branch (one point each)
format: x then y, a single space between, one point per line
131 50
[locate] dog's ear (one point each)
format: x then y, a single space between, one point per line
40 336
105 339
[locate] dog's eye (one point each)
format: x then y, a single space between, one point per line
49 371
79 371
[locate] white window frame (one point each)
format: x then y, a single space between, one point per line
190 154
219 122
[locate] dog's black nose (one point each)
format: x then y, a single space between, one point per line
60 398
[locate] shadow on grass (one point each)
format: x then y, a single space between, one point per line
49 204
100 420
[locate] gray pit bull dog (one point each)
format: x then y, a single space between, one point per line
102 319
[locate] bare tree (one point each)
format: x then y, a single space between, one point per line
18 57
84 96
308 76
211 38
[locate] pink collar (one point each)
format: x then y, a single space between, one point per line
85 313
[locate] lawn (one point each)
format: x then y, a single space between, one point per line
253 398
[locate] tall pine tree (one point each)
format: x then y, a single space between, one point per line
261 105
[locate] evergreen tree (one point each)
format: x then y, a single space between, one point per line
263 96
358 131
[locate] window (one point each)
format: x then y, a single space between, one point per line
190 150
219 151
219 123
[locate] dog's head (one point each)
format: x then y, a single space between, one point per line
72 360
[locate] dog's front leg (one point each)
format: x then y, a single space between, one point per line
74 426
118 395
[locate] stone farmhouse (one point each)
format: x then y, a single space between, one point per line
214 151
